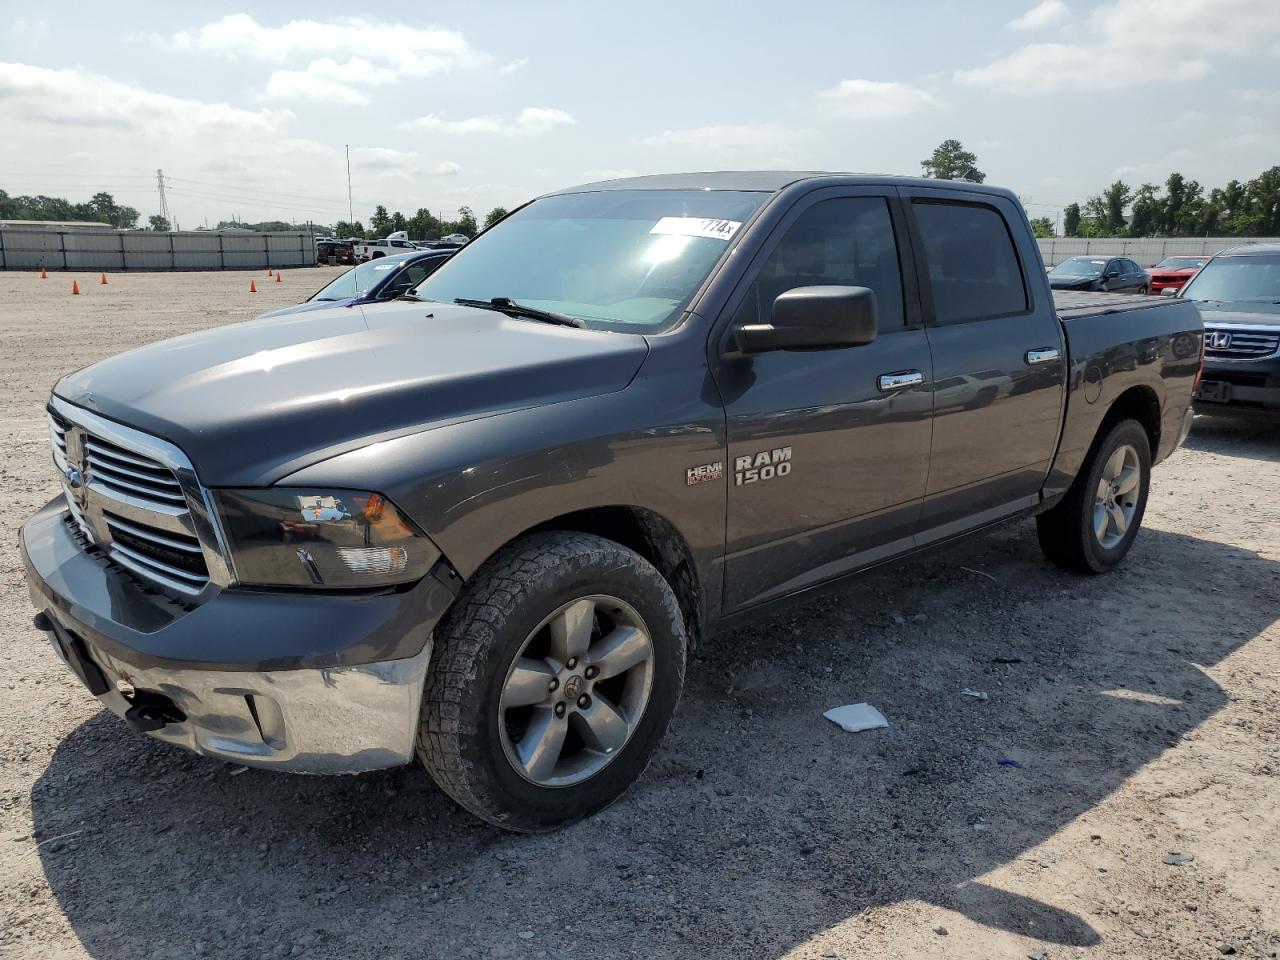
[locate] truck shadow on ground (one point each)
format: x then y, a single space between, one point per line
759 826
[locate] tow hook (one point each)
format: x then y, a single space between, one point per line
152 711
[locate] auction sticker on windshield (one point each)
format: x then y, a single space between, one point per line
697 227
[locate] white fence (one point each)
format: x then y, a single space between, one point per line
1147 251
30 249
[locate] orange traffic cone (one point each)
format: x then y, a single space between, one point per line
268 271
104 279
277 276
44 274
75 288
253 286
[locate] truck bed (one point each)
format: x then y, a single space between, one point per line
1073 304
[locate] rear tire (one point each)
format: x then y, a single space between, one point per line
1092 528
563 642
1142 291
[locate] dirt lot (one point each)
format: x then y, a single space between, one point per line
1141 706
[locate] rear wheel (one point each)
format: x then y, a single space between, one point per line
552 681
1142 291
1093 527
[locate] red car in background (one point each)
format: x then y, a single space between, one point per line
1172 272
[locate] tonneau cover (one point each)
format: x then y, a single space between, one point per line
1077 303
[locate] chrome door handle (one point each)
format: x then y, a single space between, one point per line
888 382
1042 355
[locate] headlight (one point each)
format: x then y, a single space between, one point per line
296 537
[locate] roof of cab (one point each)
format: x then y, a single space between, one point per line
770 181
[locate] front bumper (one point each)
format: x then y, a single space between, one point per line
1240 387
314 683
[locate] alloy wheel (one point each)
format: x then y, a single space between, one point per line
576 691
1116 499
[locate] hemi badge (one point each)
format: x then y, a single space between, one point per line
703 473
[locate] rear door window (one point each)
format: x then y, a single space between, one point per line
972 266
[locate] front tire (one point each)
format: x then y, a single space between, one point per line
1094 525
553 679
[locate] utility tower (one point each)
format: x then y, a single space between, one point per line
164 204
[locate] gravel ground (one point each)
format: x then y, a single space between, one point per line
1141 706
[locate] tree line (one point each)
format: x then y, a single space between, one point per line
423 225
101 208
1180 208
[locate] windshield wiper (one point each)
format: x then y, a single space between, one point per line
508 306
411 296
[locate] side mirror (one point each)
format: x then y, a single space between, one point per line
813 318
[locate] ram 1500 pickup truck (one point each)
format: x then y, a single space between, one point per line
485 523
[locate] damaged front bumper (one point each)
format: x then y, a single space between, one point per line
314 683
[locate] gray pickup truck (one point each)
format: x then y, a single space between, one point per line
484 523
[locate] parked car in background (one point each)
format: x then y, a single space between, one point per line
1238 293
335 251
377 280
1172 273
1108 274
375 249
487 523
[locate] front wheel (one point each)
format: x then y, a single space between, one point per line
1094 525
552 681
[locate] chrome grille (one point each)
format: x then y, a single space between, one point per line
132 496
1231 343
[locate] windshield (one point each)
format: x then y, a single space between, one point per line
357 281
1079 267
1242 279
618 259
1181 263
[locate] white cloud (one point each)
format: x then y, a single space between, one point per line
727 138
327 81
1042 15
530 121
327 60
1124 51
875 100
73 97
1266 98
518 64
399 163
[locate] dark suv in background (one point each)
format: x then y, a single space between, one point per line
1238 293
1109 274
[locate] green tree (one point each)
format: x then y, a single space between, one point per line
951 161
493 216
343 229
1116 197
466 222
1145 211
380 222
424 225
1042 227
1071 220
158 222
398 222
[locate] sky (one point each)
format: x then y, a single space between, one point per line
249 108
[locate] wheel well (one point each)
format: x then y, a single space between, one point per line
1141 404
654 538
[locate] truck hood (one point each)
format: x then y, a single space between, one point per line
1254 314
253 402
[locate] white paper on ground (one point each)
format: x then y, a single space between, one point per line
856 717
